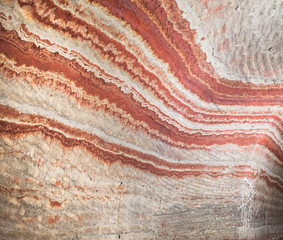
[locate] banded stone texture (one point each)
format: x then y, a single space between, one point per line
135 119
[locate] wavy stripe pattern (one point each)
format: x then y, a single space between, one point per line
116 123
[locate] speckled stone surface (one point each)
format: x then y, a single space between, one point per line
158 119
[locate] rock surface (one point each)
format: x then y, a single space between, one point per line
128 119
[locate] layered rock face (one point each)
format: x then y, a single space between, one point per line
156 119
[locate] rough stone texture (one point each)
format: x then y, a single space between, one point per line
245 36
141 119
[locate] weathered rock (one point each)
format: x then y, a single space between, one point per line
141 119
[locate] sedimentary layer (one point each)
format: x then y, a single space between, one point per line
117 121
